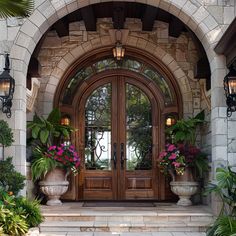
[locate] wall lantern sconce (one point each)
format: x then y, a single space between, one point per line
170 120
230 91
65 120
118 50
7 87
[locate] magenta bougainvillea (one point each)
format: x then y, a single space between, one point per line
66 156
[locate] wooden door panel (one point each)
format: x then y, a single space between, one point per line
138 183
98 186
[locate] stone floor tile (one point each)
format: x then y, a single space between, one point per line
195 234
161 234
80 234
178 233
136 234
106 234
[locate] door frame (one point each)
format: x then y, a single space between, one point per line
71 110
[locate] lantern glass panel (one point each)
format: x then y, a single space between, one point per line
232 85
5 85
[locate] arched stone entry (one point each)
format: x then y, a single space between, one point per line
197 15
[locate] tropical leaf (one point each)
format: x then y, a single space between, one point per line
41 166
16 8
35 131
44 134
54 116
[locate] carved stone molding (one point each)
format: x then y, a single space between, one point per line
206 95
32 94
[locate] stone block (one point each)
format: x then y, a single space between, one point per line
3 30
72 6
37 18
228 14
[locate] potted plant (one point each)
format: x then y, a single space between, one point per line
52 159
182 157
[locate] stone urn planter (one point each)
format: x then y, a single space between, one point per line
184 189
184 186
54 186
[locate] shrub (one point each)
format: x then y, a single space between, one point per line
17 214
32 211
225 188
12 223
10 179
6 135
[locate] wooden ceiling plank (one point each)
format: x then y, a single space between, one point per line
175 27
118 15
149 17
62 28
89 18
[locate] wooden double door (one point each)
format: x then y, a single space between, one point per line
119 130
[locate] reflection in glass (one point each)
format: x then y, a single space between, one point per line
138 130
98 129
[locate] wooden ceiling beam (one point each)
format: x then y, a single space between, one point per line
62 27
175 27
118 16
149 17
89 18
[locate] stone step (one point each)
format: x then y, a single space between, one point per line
91 226
124 217
72 218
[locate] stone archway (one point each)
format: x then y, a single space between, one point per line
197 17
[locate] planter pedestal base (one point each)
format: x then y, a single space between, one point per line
54 186
184 189
54 190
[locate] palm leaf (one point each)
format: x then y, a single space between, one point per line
21 8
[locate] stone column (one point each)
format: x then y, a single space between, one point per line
219 121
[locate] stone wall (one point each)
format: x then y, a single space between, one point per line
182 49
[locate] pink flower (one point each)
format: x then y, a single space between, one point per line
163 154
171 148
172 156
176 164
60 152
52 148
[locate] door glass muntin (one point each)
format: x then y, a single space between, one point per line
138 129
98 129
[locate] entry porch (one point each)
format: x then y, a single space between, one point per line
146 218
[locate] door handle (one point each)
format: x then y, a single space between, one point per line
114 155
122 155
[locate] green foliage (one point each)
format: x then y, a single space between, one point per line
10 179
22 8
41 165
225 188
46 132
201 164
17 214
12 223
184 131
6 135
31 209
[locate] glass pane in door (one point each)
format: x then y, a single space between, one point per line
138 129
98 129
